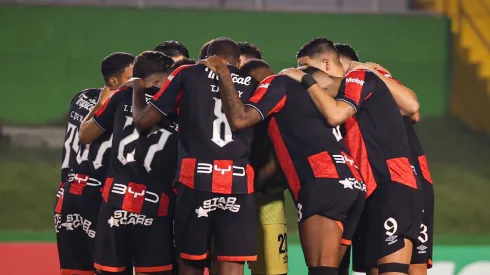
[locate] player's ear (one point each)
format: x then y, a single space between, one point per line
113 82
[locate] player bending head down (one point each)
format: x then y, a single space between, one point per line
174 49
321 53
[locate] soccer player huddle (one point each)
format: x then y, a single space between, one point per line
175 166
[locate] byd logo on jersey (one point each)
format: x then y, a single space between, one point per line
354 80
72 222
123 217
223 203
122 189
207 168
83 180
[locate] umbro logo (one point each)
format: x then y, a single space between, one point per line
392 239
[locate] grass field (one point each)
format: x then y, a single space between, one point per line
458 159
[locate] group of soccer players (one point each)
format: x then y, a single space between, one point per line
177 165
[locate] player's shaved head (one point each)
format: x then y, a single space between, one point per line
258 69
225 48
321 53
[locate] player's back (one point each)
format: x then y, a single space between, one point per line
204 129
211 157
80 106
310 141
143 163
377 132
418 155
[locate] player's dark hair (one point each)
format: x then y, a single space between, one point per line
251 65
347 51
224 47
151 62
311 70
185 61
114 64
172 48
316 46
250 50
203 53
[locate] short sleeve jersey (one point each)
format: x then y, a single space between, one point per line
307 147
142 163
80 106
212 157
376 135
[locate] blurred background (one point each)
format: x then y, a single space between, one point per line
51 49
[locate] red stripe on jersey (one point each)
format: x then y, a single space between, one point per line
401 171
134 197
323 166
261 89
354 81
222 177
178 101
78 184
107 188
352 166
59 203
250 179
284 158
169 79
278 106
357 147
164 203
388 75
425 168
104 106
187 171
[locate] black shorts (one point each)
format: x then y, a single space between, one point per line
340 200
422 249
229 219
393 212
75 221
125 238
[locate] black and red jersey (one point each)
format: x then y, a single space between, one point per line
376 135
80 106
307 147
211 157
418 155
142 163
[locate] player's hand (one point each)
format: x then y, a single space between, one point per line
293 73
105 94
131 82
376 66
214 63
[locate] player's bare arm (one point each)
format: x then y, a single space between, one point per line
239 116
89 130
266 171
405 98
144 115
334 111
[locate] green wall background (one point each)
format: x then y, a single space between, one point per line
50 53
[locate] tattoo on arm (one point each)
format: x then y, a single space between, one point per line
232 104
144 115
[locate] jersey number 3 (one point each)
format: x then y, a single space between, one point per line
218 124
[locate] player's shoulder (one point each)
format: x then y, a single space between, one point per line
89 93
